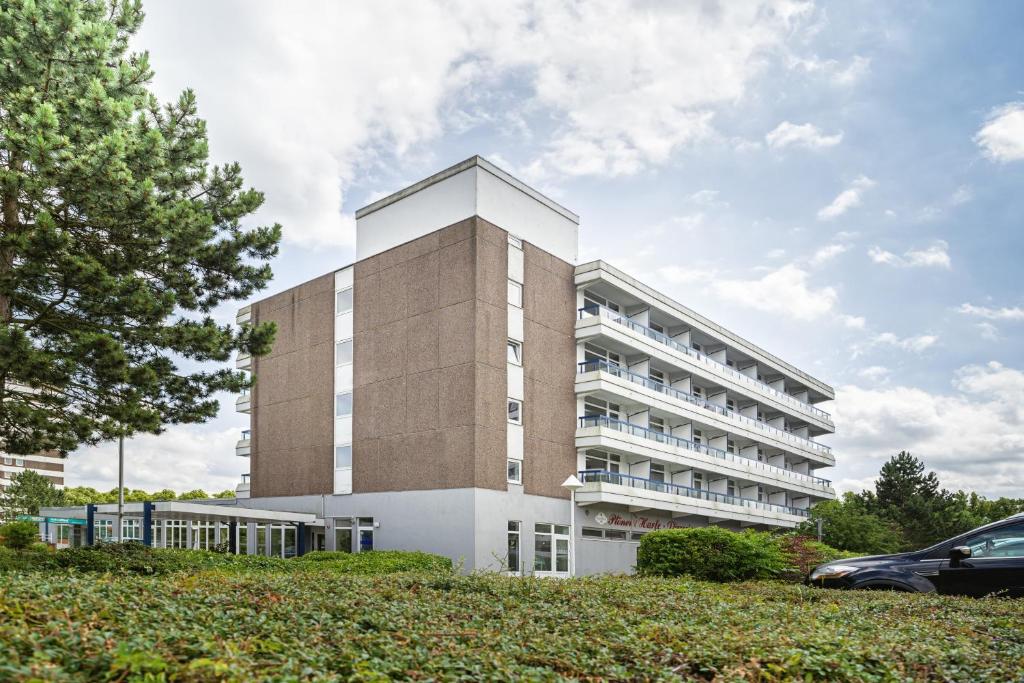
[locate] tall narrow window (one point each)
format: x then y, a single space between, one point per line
730 487
515 352
343 404
515 294
512 559
515 472
343 301
657 472
343 352
698 480
515 411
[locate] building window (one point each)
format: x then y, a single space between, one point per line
343 352
696 346
730 446
365 534
131 530
760 494
550 548
656 375
19 462
697 391
343 301
698 436
593 352
342 456
343 535
595 406
730 404
730 487
656 327
104 529
515 472
592 533
599 460
657 472
343 404
512 558
656 424
698 480
515 352
515 294
590 299
515 241
515 411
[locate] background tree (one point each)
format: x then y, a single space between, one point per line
848 525
83 495
118 238
27 492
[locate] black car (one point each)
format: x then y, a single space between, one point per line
988 560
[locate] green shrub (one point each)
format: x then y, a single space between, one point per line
134 558
380 561
19 535
29 559
710 553
804 553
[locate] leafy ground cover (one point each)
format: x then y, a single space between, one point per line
319 624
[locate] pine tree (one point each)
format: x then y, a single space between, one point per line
118 237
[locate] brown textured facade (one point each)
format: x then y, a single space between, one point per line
429 362
549 364
292 421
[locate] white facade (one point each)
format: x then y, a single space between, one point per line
474 187
50 466
685 420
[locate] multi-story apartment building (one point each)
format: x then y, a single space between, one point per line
436 394
49 465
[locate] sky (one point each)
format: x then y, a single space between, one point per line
839 182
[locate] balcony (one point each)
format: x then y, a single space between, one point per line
243 361
601 486
244 315
243 404
704 360
244 445
705 404
242 490
738 461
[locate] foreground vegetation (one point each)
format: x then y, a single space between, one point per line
322 624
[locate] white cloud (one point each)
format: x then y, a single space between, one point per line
974 437
312 97
875 373
848 199
1003 313
827 253
934 256
803 135
916 344
182 458
854 322
1002 136
678 275
784 291
835 71
988 331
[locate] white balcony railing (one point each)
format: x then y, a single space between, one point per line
781 434
618 479
678 442
736 375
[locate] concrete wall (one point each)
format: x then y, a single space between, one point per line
292 421
429 372
549 362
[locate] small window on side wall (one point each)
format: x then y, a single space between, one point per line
342 456
343 404
515 294
515 411
515 352
343 301
343 352
515 472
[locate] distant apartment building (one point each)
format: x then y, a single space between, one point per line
49 465
436 393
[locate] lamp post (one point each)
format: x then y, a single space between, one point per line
572 484
120 487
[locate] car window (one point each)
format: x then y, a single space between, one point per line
1007 541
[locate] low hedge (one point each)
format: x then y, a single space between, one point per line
710 553
380 561
135 558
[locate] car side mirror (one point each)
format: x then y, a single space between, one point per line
958 553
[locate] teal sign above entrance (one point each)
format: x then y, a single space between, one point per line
52 520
